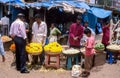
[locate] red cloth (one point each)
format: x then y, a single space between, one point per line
106 35
75 31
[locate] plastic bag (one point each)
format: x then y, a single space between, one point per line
76 71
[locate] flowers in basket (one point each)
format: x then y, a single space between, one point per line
53 47
12 47
34 48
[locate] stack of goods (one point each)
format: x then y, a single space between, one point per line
99 47
12 47
53 47
71 51
5 38
113 47
34 48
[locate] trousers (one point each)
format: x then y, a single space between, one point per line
20 53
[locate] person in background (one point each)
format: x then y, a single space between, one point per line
28 40
5 23
76 33
89 52
54 32
39 31
86 26
18 33
2 51
84 36
106 36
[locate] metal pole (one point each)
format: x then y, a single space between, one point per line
112 3
9 7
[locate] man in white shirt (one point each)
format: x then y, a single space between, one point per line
5 24
39 31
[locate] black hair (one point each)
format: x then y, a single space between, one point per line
54 24
38 16
87 31
79 17
20 15
86 22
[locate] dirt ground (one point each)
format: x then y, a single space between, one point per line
104 71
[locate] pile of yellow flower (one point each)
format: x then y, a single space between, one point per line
34 48
53 47
12 47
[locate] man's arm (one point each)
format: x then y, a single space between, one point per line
12 31
45 33
71 32
81 33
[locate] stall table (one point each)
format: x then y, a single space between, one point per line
48 63
110 52
70 57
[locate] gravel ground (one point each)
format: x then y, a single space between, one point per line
104 71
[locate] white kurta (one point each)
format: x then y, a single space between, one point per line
39 32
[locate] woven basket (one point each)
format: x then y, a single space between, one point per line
37 53
7 45
113 50
99 51
71 54
52 53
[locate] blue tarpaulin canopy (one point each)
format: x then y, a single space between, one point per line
57 3
39 4
19 3
6 1
14 2
76 4
100 13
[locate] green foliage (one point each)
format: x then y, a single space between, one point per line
99 46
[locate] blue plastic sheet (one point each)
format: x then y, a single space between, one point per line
92 20
100 13
75 4
6 1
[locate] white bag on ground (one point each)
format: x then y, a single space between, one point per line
76 70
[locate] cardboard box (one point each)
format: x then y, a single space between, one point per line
99 59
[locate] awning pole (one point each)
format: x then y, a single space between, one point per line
45 15
9 8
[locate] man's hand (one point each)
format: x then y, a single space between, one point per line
12 35
75 38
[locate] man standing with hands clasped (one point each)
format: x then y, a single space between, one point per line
76 33
18 33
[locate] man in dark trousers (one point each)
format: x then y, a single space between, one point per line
18 33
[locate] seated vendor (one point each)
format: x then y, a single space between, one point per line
54 31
